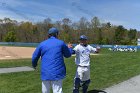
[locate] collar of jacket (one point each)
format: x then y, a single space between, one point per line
52 37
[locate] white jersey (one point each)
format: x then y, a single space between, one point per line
83 54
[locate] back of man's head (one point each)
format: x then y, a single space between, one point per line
53 32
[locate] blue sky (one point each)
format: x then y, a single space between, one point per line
117 12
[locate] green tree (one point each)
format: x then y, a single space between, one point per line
108 33
120 34
95 29
10 37
65 33
132 34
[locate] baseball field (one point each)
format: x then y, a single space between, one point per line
107 69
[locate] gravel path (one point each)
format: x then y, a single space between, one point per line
130 86
15 69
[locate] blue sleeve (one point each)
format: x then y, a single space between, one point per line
73 52
35 57
66 51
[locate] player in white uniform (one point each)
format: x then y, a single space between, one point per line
82 60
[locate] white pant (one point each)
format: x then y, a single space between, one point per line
56 86
83 73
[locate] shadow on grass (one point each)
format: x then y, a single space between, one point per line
96 91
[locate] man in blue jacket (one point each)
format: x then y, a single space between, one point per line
52 52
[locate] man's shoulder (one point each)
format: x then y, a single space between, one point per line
77 46
60 40
43 42
89 46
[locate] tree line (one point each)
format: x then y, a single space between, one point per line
97 32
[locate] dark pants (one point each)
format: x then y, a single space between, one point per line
78 83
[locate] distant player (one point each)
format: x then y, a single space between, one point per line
82 60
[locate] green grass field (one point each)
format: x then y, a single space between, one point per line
107 69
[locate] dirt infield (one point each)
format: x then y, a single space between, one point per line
7 52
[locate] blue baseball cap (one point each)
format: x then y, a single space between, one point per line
53 31
83 37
